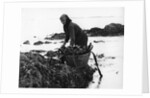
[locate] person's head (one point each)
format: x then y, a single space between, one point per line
64 18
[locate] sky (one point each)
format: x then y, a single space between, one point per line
45 21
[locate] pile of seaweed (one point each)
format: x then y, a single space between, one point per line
37 71
76 50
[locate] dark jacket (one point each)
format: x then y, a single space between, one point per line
76 35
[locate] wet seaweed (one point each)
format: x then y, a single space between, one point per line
37 71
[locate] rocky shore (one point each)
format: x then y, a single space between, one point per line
113 29
37 71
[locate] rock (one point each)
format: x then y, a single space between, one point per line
35 71
117 72
62 42
50 53
38 51
110 57
95 32
100 56
34 36
47 38
47 42
55 42
38 43
114 29
98 41
56 36
26 42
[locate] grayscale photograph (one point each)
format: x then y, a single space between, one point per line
72 48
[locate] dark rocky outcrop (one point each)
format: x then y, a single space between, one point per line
37 51
110 57
50 53
99 41
100 56
95 32
56 36
113 29
47 42
38 43
62 42
26 42
36 71
34 37
55 43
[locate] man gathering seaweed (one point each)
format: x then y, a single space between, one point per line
78 42
73 32
38 71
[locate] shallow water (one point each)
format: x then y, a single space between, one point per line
111 65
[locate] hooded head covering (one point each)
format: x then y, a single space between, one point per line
68 20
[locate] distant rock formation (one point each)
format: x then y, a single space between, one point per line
113 29
100 56
47 38
47 42
95 32
26 42
37 51
38 43
99 41
56 36
62 42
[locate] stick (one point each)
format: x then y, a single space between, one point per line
97 66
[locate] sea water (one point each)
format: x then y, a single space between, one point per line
111 65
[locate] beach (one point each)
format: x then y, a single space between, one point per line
109 53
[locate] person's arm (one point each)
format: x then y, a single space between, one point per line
72 35
66 39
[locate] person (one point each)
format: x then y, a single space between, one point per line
73 32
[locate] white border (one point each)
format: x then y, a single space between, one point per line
133 42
